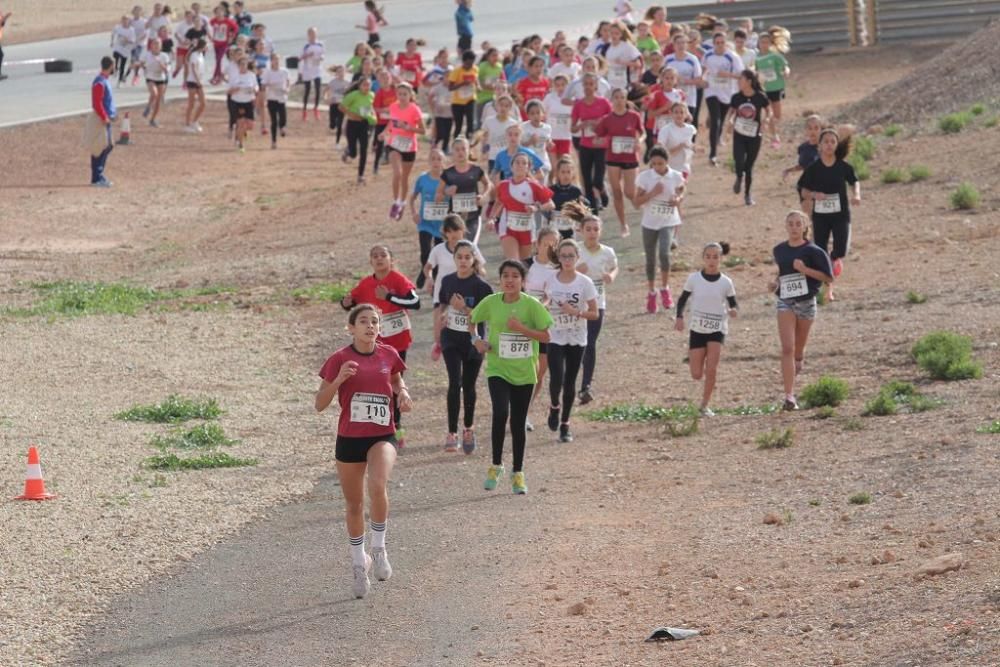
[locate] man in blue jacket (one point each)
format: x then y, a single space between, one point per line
97 136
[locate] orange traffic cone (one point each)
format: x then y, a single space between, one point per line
34 485
123 138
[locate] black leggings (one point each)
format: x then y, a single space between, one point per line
336 120
466 112
745 151
231 107
717 110
379 146
592 168
305 100
509 400
279 117
564 366
442 132
462 375
357 143
121 64
823 228
699 99
590 356
427 242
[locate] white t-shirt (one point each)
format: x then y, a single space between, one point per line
122 40
575 90
720 88
442 99
672 135
157 66
311 63
180 34
231 71
569 329
709 303
619 56
571 71
688 67
155 23
657 213
196 68
496 133
141 34
538 274
543 133
749 57
443 260
559 116
276 84
623 10
601 261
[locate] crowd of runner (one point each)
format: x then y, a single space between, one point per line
543 144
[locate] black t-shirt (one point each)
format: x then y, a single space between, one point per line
812 255
243 20
194 34
473 289
467 182
808 153
649 78
748 113
564 193
832 180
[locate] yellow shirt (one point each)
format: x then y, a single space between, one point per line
466 93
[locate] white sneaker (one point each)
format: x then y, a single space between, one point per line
190 129
382 568
362 586
198 127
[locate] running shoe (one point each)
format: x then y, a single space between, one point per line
665 298
838 267
493 476
393 210
468 441
362 586
585 396
305 115
381 567
790 404
707 412
189 129
714 161
748 200
316 114
517 484
153 123
145 112
451 442
528 426
737 185
776 143
274 145
361 180
400 438
554 419
198 127
564 433
103 183
651 303
399 211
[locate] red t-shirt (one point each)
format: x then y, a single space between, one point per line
597 110
625 127
516 196
394 318
223 29
411 68
532 90
658 99
384 97
366 406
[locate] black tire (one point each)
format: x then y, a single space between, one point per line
58 66
292 62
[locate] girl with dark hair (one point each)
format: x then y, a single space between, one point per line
749 107
722 69
374 19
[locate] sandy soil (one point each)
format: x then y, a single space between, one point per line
644 529
51 19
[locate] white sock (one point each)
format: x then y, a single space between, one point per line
378 535
358 550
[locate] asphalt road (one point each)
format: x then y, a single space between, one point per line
31 95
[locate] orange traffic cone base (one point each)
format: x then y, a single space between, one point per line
34 485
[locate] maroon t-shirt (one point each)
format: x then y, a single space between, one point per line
366 398
625 128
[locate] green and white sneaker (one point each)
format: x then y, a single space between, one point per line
493 476
517 484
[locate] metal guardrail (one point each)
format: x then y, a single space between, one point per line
900 20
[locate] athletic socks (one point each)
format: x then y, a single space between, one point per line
378 535
358 548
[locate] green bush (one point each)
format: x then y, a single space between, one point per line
919 172
893 175
825 412
200 462
915 298
172 410
863 147
965 196
882 405
954 123
946 356
892 130
862 498
977 109
776 439
827 390
861 168
992 427
991 122
203 436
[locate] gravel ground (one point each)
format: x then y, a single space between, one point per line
645 530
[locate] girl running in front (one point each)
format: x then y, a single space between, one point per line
572 302
564 191
365 376
461 292
518 198
722 69
195 87
773 70
374 19
659 192
802 268
276 84
311 68
243 92
358 108
600 263
823 185
516 324
713 302
432 213
587 114
405 123
539 271
620 132
748 109
393 294
461 183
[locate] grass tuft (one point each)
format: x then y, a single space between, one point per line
203 436
991 122
947 356
200 462
965 197
954 123
854 425
915 298
640 412
776 439
992 427
977 109
332 292
895 395
861 168
74 299
919 172
861 498
825 412
172 410
827 390
863 147
892 130
893 175
733 261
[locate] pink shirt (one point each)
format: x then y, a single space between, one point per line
593 112
404 141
